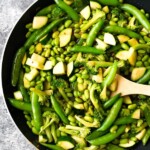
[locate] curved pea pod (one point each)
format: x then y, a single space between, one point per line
58 109
107 137
94 31
137 13
124 120
36 109
108 2
69 10
95 134
111 101
17 65
145 78
52 146
46 10
112 115
25 106
111 75
121 30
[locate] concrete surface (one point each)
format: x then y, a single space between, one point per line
10 136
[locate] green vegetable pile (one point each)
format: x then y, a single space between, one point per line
66 71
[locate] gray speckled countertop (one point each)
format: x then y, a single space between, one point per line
10 137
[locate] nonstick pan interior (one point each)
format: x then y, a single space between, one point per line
15 41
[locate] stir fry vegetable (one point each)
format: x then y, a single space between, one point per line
65 72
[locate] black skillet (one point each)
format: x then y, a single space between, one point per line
15 41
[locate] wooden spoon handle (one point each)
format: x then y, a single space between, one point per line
126 87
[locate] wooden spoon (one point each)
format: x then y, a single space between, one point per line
126 87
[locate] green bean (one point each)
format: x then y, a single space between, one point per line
111 75
58 109
137 13
122 30
107 137
51 146
124 120
69 10
17 65
46 10
25 106
111 101
112 115
86 49
145 78
93 32
36 109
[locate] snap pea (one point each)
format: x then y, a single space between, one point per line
145 78
17 65
107 137
141 46
25 106
146 111
58 109
86 49
121 30
124 120
146 137
69 10
51 146
112 115
93 32
36 109
111 75
46 10
111 101
31 38
137 13
95 134
47 29
108 2
114 147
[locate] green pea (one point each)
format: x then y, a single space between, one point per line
86 94
29 124
132 106
68 23
75 93
71 118
61 28
79 80
145 57
113 128
124 46
139 64
29 25
79 100
55 34
69 94
88 118
124 141
35 131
